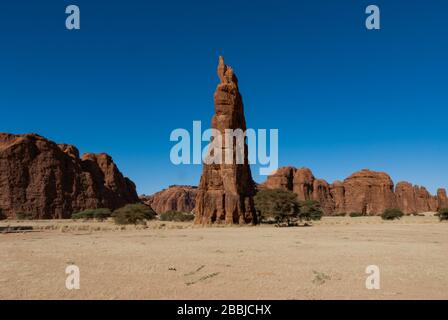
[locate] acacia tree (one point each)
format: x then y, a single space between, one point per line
392 214
310 210
443 214
136 213
275 205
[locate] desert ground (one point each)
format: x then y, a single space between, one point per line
179 261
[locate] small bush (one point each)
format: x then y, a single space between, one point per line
100 214
85 215
392 214
443 214
356 214
22 215
176 216
2 215
133 214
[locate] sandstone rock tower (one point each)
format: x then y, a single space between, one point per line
225 193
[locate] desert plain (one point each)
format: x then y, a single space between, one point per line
169 260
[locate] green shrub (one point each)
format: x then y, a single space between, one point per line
392 214
85 215
176 216
310 210
133 214
443 214
275 205
23 215
2 215
356 214
100 214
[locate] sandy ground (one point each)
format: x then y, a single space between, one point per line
177 261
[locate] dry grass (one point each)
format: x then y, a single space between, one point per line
70 226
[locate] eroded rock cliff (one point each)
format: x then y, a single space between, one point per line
48 180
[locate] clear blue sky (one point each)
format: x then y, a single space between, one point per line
343 98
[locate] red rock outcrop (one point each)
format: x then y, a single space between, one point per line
303 183
366 191
225 193
406 198
424 200
282 178
369 192
174 198
300 181
51 181
442 199
337 192
322 193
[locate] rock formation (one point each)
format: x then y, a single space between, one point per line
405 195
424 200
442 199
366 191
303 183
225 193
369 192
414 199
38 176
282 178
322 194
174 198
337 194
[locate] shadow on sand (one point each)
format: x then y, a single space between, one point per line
16 229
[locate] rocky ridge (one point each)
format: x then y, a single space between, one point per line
50 180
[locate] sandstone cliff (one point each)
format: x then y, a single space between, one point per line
369 192
366 191
49 180
174 198
442 199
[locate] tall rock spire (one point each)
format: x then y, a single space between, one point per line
226 190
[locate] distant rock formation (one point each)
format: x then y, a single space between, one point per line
303 183
226 191
174 198
337 194
442 199
369 192
415 199
322 193
48 180
406 197
366 191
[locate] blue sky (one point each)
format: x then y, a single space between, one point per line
343 98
